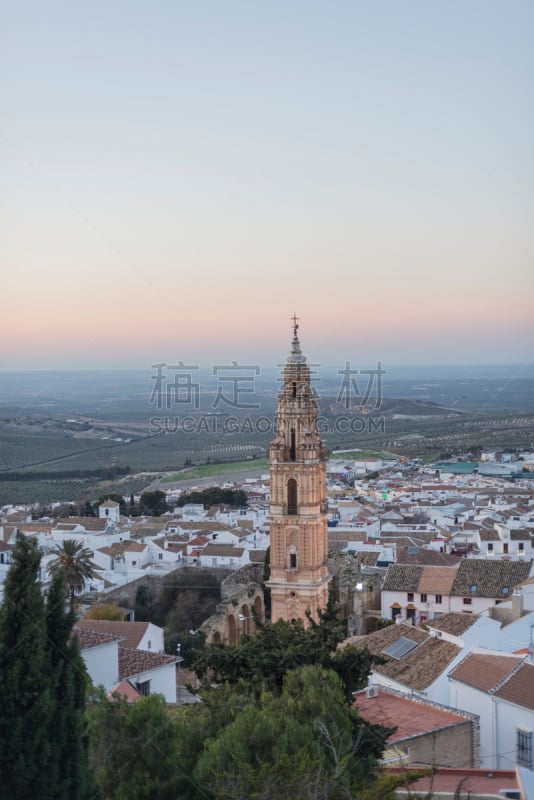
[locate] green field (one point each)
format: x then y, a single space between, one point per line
359 454
212 470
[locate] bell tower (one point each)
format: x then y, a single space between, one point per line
298 508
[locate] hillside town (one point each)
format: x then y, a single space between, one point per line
446 555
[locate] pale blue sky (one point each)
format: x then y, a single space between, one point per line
169 169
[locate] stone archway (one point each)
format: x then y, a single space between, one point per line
216 638
232 630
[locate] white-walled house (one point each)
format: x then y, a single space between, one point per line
149 673
139 635
500 689
419 594
109 660
109 510
223 555
100 652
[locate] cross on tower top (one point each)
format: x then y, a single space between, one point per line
294 319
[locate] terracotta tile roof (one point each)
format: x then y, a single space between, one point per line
135 547
114 550
519 688
89 523
133 662
402 578
489 577
90 638
125 690
425 556
225 550
109 504
488 536
520 535
422 666
485 671
454 623
131 633
437 580
379 640
474 782
410 717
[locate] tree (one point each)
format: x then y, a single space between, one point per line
107 611
153 503
73 561
25 745
42 686
263 660
116 497
68 770
134 749
305 743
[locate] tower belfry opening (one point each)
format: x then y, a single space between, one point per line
298 507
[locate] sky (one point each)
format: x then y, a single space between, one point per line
178 179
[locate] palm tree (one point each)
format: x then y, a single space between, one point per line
74 563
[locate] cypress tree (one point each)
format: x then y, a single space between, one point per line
25 747
68 762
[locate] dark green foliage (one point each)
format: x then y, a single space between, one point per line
153 503
144 604
27 703
236 498
116 497
73 563
68 678
263 660
134 750
191 643
303 742
188 601
42 685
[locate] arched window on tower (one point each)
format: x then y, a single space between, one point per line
294 388
291 496
292 560
293 446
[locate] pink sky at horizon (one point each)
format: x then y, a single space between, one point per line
369 166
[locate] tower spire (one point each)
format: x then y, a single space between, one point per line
298 507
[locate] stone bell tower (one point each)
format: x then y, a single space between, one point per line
298 508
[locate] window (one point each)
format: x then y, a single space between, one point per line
143 688
521 546
291 496
134 563
423 598
292 452
467 601
395 611
160 556
292 561
473 588
438 598
490 547
524 748
410 597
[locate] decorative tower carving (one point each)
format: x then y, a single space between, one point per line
298 508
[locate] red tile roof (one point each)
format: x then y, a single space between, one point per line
485 671
133 662
479 782
90 638
409 717
130 633
519 688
